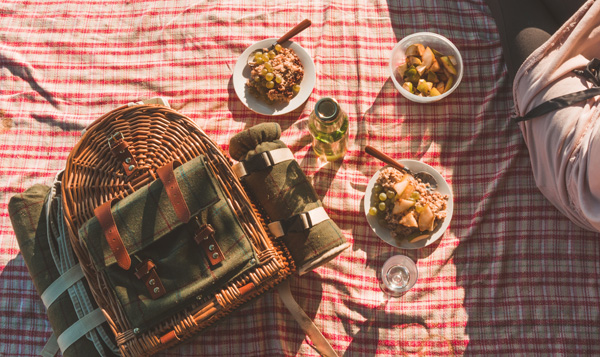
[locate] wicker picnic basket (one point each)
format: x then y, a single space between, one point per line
151 136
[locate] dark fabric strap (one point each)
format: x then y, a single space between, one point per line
590 73
559 103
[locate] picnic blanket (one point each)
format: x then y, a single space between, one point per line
512 275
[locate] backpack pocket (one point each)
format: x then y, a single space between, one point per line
164 260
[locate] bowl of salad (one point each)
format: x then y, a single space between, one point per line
425 67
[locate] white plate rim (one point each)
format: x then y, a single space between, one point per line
241 73
384 233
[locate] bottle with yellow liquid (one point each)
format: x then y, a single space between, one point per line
328 125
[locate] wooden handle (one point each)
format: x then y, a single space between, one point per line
383 157
296 30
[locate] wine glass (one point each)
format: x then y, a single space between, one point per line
398 275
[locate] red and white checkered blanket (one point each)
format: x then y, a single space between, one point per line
511 276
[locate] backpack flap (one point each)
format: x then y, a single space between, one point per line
164 258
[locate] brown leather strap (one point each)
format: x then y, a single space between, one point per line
111 233
167 176
310 329
120 149
205 237
144 268
146 272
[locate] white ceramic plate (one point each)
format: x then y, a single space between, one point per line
241 74
385 234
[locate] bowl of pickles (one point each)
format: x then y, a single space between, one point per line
425 67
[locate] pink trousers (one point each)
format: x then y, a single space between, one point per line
564 145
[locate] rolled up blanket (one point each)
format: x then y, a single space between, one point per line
278 184
34 225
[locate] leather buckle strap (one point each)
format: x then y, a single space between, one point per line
205 238
120 149
262 161
167 176
299 222
146 272
319 341
111 233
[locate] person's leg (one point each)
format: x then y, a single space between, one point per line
524 25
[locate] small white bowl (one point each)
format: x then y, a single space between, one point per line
434 41
241 74
385 234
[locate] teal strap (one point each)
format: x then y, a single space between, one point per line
262 161
80 328
50 348
60 285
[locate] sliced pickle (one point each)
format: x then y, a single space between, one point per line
424 86
400 70
440 87
412 51
448 64
432 77
413 61
412 76
449 83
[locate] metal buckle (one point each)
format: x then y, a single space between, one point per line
299 222
256 163
267 158
306 220
202 231
204 235
113 139
262 161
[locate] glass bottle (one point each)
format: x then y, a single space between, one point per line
328 125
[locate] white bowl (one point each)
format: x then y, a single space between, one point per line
241 74
385 234
434 41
